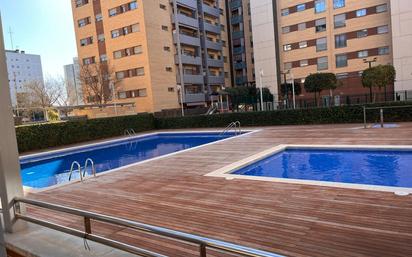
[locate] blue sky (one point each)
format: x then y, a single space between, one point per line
43 27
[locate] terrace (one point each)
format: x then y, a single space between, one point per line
288 219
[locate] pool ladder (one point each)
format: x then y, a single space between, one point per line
75 164
129 132
234 125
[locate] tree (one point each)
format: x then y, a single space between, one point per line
98 80
315 83
45 94
379 76
286 89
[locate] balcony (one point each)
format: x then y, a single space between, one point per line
241 80
234 4
219 79
215 63
187 59
212 28
214 11
240 65
214 45
194 98
238 50
188 3
237 34
192 79
188 40
186 20
236 19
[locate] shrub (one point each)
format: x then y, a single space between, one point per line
42 136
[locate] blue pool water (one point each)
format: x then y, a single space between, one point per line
51 169
370 167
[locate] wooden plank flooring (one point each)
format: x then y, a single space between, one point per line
289 219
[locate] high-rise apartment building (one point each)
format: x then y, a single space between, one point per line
23 68
73 83
239 23
305 37
153 46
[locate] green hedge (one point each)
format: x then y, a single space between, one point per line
58 134
42 136
346 114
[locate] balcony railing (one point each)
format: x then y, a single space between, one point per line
234 4
241 80
186 39
214 11
186 20
236 19
194 98
237 34
238 50
188 3
213 45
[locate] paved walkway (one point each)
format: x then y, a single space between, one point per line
289 219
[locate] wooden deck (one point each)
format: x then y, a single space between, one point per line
289 219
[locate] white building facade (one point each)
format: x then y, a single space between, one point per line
73 84
22 69
401 16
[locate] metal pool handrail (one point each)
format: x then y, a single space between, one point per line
204 243
129 132
235 125
89 160
79 168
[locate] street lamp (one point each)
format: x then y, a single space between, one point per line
370 61
114 98
286 87
180 90
261 89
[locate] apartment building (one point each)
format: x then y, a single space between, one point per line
73 83
338 36
239 23
154 46
22 68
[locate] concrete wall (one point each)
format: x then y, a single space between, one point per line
264 43
401 15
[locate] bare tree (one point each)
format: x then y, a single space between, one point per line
98 80
47 94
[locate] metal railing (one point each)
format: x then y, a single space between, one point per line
204 243
234 125
381 113
79 169
89 160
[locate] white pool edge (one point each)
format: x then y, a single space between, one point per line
69 149
226 172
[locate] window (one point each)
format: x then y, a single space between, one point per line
120 74
165 28
162 6
166 48
136 27
122 95
383 50
81 2
342 75
287 65
140 71
125 30
340 41
323 63
362 33
302 26
303 63
383 29
361 12
320 6
99 17
321 44
381 8
303 44
83 22
103 58
100 37
132 5
89 60
86 41
320 25
285 30
112 12
169 69
363 54
340 20
115 33
141 92
285 12
341 60
117 54
171 89
300 7
287 47
137 49
338 4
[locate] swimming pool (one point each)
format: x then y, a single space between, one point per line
48 169
377 167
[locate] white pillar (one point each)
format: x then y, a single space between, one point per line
3 252
10 179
